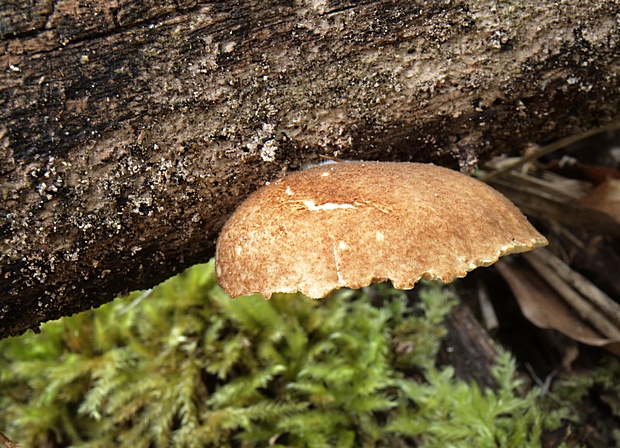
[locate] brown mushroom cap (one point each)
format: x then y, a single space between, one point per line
353 223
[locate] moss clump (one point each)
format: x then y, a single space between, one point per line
184 365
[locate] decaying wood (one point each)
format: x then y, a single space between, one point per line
130 130
591 253
547 307
540 199
469 348
581 285
586 310
545 150
552 294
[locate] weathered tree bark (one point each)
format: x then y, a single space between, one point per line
129 130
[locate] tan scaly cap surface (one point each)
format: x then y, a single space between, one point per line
354 223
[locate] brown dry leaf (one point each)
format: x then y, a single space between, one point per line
605 198
542 306
583 297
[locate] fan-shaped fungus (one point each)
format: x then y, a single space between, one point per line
353 223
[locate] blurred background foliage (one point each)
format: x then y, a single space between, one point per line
184 365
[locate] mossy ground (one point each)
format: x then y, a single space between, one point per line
184 365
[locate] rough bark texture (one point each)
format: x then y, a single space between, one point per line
130 129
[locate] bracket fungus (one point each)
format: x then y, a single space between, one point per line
351 224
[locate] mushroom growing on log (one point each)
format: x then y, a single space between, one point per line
354 223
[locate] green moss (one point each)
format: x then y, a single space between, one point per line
184 365
587 401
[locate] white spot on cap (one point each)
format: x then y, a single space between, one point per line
288 190
325 174
380 236
342 245
310 205
238 250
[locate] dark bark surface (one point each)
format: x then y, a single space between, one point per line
129 130
468 348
